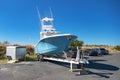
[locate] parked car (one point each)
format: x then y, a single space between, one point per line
102 51
91 52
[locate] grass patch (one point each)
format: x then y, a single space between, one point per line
32 57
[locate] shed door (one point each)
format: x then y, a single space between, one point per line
20 53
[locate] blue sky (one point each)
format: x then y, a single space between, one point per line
93 21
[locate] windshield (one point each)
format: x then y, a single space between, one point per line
102 49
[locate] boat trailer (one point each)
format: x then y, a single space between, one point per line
79 60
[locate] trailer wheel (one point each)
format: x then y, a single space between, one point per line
40 57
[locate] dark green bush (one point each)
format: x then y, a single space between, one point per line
76 43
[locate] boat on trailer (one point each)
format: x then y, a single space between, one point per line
52 42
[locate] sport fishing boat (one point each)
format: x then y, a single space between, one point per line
52 42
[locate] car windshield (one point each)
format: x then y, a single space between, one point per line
102 49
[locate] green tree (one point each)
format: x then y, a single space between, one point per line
76 43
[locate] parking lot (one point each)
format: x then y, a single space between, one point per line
100 68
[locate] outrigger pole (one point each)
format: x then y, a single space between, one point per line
39 16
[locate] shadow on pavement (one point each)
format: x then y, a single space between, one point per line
94 64
103 74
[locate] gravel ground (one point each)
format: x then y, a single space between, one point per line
100 68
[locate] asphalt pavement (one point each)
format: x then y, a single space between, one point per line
100 68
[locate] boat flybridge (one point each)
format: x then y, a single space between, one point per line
47 28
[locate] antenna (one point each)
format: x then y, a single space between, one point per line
38 13
51 12
39 16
